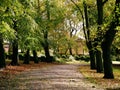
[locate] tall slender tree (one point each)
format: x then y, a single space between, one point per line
86 31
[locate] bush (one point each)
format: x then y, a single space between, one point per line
21 56
82 57
42 59
77 57
51 59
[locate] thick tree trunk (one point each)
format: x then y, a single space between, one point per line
2 54
107 43
27 57
106 48
14 61
35 58
99 63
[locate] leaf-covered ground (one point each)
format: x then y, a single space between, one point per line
9 77
109 84
45 76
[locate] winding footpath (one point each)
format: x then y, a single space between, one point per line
56 77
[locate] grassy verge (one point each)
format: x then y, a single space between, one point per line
97 78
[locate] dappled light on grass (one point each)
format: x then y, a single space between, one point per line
97 78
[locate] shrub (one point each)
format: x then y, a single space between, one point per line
42 59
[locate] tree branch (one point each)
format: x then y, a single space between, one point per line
104 2
82 18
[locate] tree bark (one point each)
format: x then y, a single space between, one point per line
27 57
46 43
88 41
35 58
107 42
15 56
14 61
92 55
92 59
99 63
46 47
2 54
70 51
106 48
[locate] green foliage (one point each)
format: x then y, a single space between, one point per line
82 57
6 31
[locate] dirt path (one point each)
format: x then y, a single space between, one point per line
56 77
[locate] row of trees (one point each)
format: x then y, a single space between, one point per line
108 22
32 24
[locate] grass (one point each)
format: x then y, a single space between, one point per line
97 78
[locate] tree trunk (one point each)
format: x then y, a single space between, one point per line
99 63
14 61
46 49
35 58
92 59
107 43
92 55
70 51
2 54
106 48
27 57
88 41
46 43
100 12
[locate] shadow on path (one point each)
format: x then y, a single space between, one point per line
57 77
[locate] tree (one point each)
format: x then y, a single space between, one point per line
86 31
88 39
14 61
6 32
107 42
27 29
48 18
97 40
